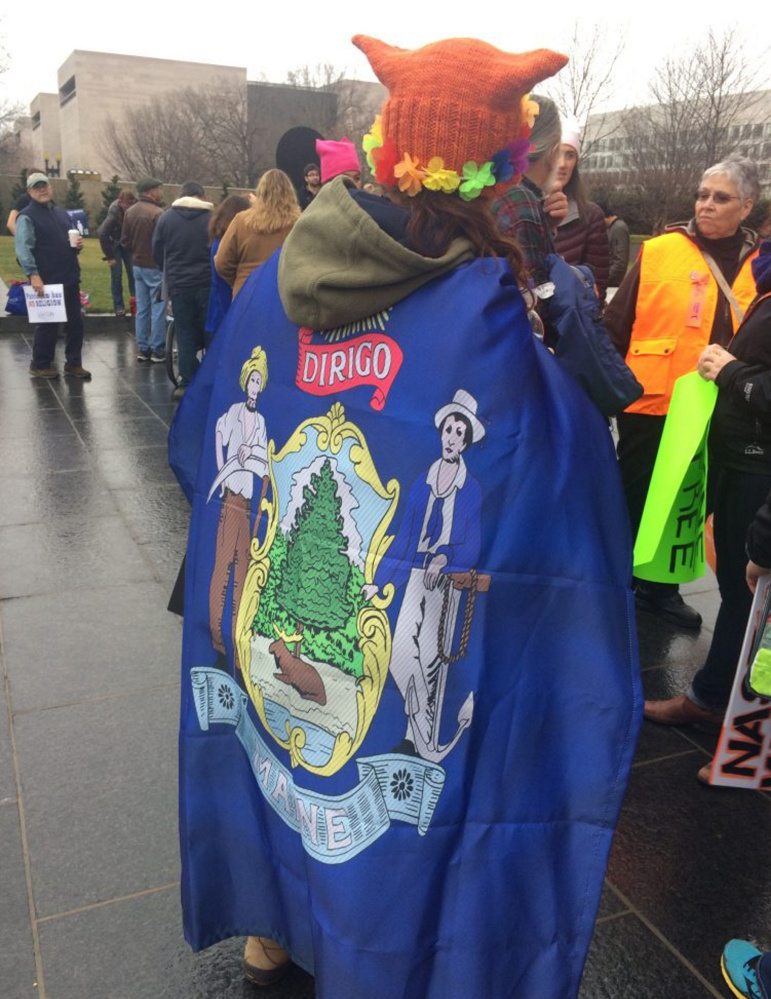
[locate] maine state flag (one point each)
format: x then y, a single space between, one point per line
410 691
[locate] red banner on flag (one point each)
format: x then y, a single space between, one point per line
369 359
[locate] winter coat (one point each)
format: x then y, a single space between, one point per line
740 432
181 244
242 249
109 232
585 241
138 226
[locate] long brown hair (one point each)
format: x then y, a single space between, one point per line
224 214
436 219
275 204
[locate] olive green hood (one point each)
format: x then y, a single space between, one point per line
337 265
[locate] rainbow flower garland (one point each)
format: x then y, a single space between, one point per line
411 176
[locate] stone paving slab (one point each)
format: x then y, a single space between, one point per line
60 495
133 949
683 856
628 961
99 781
57 652
39 558
17 957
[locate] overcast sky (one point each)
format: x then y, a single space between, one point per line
270 39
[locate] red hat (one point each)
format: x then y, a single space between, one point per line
457 118
336 157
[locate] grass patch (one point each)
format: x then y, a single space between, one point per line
94 273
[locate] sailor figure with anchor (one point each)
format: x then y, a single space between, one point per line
435 551
242 433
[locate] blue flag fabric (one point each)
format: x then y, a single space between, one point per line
410 688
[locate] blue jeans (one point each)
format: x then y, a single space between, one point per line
190 306
122 257
151 315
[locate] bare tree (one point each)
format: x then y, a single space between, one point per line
358 102
13 153
204 133
727 83
587 83
686 128
154 140
225 134
322 76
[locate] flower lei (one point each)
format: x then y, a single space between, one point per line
412 176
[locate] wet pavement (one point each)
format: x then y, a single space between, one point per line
92 532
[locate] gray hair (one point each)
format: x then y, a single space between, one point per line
547 129
742 172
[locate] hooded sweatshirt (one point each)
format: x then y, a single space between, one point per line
338 265
181 244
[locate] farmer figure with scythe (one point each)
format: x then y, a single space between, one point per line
434 552
242 432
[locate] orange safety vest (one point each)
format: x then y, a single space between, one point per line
675 311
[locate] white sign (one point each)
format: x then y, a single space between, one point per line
48 307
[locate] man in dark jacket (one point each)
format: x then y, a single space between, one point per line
619 240
137 237
117 256
181 249
47 256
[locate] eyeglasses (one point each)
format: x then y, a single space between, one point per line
719 197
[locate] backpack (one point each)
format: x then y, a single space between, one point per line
583 347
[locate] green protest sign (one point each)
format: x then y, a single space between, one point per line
670 542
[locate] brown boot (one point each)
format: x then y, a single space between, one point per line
682 711
77 371
265 962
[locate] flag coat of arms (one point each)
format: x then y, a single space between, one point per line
410 689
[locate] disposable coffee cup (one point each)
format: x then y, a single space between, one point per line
74 236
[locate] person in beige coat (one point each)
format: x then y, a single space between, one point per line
253 235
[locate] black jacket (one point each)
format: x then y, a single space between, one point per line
109 232
181 245
740 435
759 536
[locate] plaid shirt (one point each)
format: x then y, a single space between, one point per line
520 213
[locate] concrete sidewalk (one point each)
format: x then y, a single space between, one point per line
92 532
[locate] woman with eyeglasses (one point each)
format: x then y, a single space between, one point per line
675 301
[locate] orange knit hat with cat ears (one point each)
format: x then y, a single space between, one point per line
457 117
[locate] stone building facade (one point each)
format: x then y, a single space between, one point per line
66 128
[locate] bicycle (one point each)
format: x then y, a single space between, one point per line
172 354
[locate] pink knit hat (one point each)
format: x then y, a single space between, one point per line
336 157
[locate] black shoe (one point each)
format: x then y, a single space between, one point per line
670 606
158 357
144 355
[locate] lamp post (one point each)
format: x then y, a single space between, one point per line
53 170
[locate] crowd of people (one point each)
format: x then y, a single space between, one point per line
459 176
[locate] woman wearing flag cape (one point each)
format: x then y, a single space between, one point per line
386 585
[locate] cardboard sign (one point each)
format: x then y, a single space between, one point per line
743 756
48 307
670 542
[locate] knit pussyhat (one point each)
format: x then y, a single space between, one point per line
336 157
457 118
